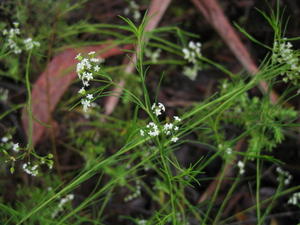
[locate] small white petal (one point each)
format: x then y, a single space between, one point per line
90 96
174 139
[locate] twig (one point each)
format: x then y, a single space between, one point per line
157 9
215 16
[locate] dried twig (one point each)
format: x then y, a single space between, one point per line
215 16
157 9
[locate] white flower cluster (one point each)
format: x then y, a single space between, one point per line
7 143
31 169
190 54
61 204
134 9
241 166
152 130
295 199
85 70
284 54
7 147
15 42
158 109
226 149
285 175
169 129
12 36
30 44
136 193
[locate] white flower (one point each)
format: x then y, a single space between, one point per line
96 68
90 96
63 201
134 9
229 151
195 46
30 44
142 132
88 76
168 126
16 147
29 169
190 54
49 188
241 166
158 109
193 50
176 118
86 104
5 139
85 69
136 15
61 204
153 129
13 34
153 133
161 106
82 91
174 139
85 83
186 53
284 54
285 174
295 199
169 129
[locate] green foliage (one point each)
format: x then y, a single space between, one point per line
261 120
132 154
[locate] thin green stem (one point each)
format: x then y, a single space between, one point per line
214 197
29 106
258 213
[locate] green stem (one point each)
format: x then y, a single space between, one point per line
258 213
211 202
29 106
228 195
